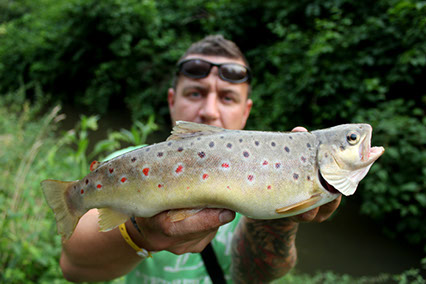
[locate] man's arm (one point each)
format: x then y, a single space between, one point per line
264 250
90 255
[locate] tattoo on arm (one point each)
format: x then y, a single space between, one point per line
263 250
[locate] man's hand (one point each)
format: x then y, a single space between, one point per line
189 235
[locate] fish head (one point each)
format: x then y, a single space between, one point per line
345 155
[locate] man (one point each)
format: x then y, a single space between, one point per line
211 87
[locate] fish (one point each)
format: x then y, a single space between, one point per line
262 175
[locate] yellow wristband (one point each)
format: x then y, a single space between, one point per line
139 251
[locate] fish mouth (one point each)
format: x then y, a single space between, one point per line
326 185
367 153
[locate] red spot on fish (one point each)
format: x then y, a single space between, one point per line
201 154
269 187
265 163
228 187
145 171
99 186
123 179
277 165
225 165
250 177
94 165
179 169
187 187
205 176
82 191
160 185
111 170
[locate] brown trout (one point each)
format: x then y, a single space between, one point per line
262 175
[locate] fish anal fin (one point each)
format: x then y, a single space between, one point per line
109 219
300 206
177 215
184 129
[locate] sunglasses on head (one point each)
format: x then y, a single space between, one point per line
199 68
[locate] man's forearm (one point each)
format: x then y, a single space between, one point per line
263 250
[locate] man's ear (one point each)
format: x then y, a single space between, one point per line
171 97
248 106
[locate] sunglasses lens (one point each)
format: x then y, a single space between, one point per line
195 68
234 72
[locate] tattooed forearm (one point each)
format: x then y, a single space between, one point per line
263 250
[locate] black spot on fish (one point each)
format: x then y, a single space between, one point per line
342 148
241 140
221 137
295 176
180 149
287 149
133 159
246 154
160 154
308 145
169 144
87 181
211 144
229 145
303 159
308 177
291 138
273 144
326 155
147 149
277 165
256 143
201 154
199 138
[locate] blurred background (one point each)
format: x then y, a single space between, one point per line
80 79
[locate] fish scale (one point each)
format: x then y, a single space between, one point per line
263 175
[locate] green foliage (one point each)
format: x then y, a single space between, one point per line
29 154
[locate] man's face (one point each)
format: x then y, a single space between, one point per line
210 100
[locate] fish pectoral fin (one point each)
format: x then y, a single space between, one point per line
184 129
300 206
177 215
109 219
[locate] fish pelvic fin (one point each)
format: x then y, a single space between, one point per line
177 215
299 207
55 194
109 219
184 129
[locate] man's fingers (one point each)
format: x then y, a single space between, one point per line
299 129
326 210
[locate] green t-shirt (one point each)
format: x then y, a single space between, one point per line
166 267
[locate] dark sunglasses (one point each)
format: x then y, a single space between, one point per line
198 68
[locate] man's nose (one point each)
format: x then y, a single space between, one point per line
210 108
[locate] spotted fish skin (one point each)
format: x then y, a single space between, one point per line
263 175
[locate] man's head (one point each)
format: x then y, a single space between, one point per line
212 85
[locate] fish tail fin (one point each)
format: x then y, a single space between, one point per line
55 194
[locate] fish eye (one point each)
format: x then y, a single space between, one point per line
352 138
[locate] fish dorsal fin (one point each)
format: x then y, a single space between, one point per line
184 129
109 219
